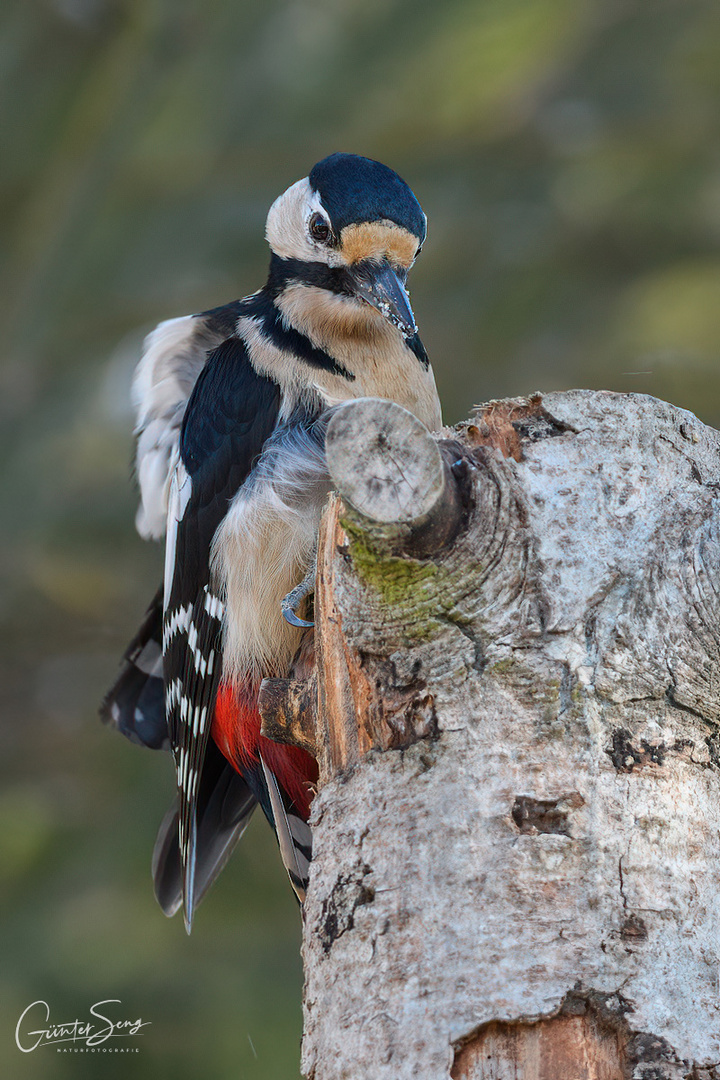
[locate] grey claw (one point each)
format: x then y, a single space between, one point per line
295 598
294 619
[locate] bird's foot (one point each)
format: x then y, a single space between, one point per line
294 598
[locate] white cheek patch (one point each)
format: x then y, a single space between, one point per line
287 227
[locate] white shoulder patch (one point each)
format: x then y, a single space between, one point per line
174 354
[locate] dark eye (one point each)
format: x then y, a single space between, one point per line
320 229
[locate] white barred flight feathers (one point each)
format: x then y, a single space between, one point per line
232 405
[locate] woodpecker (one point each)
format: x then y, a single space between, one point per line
232 405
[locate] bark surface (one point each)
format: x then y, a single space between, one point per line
517 832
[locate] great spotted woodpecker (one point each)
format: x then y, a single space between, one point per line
231 409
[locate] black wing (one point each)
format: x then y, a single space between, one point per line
173 356
230 414
135 706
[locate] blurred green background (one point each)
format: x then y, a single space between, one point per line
568 156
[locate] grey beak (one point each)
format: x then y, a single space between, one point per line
382 287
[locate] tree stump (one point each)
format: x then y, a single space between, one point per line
516 870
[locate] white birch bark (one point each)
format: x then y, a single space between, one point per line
516 868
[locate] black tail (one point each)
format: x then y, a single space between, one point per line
135 703
135 706
225 805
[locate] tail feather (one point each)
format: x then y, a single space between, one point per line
166 866
225 806
241 769
293 834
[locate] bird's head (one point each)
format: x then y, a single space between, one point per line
352 228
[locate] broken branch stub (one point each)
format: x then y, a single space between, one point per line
392 476
402 500
288 711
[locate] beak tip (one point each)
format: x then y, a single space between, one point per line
407 329
385 291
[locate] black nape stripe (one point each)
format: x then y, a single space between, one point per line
287 338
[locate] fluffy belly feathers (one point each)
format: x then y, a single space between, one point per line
264 547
